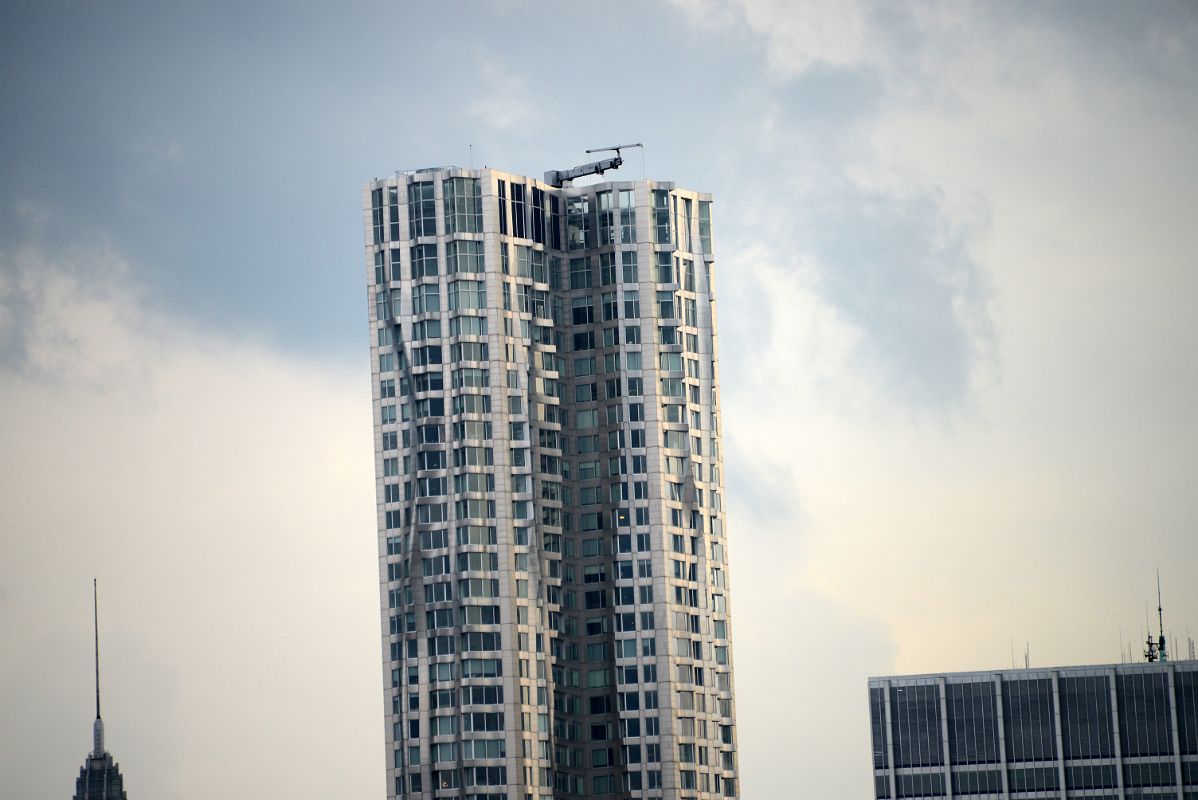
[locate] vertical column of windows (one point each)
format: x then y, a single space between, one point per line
1145 728
393 212
376 215
1029 720
1186 688
661 216
627 200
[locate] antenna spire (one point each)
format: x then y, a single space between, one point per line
1160 615
98 725
96 625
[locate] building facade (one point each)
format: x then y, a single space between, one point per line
553 565
1117 731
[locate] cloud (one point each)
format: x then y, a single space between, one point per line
956 319
222 495
797 36
503 100
957 351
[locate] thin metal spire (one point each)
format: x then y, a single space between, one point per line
1160 613
96 623
98 725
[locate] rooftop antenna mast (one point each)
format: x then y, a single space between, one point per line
1149 643
562 177
1160 615
98 726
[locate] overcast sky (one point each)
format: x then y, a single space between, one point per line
957 286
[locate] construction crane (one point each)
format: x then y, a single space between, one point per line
561 177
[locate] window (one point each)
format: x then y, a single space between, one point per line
661 216
632 305
607 269
468 326
665 306
467 294
972 721
582 310
578 223
627 216
424 356
664 268
538 218
705 226
611 309
467 351
503 206
1144 715
629 267
580 273
426 299
422 210
915 714
376 214
519 211
472 377
424 261
463 206
606 218
379 270
426 329
464 255
1086 717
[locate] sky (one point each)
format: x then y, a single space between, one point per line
959 364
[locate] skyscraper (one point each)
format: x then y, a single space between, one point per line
547 443
100 776
1115 731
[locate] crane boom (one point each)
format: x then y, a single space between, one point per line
558 177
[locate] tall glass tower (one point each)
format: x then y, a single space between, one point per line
552 547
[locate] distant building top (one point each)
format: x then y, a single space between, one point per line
100 776
1109 730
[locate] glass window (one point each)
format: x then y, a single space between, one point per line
580 273
1086 717
376 214
627 216
1029 725
422 210
1144 714
519 212
915 712
463 206
661 216
606 218
1187 713
578 223
464 255
972 723
424 261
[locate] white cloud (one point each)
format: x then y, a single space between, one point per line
502 99
797 36
222 495
1036 502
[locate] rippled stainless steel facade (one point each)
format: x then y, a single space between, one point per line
552 544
